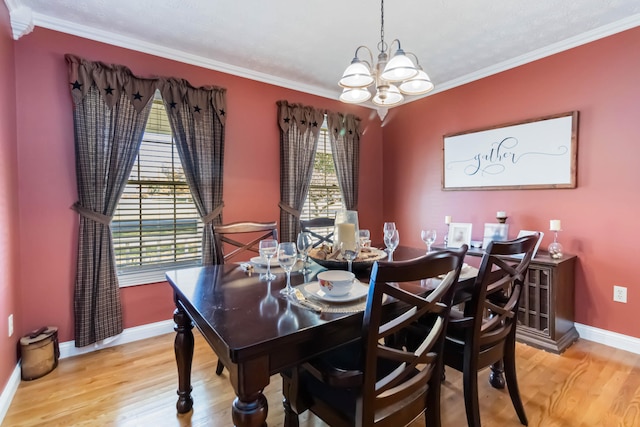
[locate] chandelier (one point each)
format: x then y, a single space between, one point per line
392 77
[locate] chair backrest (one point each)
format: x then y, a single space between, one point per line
397 380
244 236
315 225
496 296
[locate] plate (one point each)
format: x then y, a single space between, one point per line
358 291
373 255
262 262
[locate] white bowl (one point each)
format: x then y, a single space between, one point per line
336 282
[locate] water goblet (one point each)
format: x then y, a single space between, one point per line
349 251
287 257
305 244
391 241
268 248
365 238
428 237
389 227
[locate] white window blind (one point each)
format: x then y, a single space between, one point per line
324 198
156 226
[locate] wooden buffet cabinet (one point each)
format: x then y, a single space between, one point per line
546 318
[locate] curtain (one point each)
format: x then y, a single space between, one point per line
344 132
197 118
299 132
111 107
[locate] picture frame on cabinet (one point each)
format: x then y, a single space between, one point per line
459 234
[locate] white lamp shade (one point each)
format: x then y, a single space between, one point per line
355 95
418 85
393 96
399 68
357 75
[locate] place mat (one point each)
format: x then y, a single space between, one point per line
330 306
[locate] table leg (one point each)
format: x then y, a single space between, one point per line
250 411
183 347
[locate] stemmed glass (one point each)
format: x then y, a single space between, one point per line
391 241
268 248
428 237
305 244
287 257
388 228
349 251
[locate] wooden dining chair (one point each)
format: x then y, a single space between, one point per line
318 227
371 383
242 236
484 333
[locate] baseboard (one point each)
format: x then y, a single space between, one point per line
9 391
68 349
608 338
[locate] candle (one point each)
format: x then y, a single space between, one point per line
554 225
501 214
447 219
346 234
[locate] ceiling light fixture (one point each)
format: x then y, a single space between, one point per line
386 74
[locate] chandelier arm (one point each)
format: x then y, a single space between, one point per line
370 62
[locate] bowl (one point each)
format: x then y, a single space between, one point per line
336 282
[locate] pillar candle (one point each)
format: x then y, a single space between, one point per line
346 234
447 219
501 214
554 225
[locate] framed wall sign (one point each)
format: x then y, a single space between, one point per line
536 153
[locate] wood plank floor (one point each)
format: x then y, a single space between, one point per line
135 385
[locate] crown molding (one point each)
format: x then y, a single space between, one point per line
21 18
173 54
176 55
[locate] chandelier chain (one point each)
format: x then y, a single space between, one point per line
382 45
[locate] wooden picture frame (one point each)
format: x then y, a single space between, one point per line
530 154
459 234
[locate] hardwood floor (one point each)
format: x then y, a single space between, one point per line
135 385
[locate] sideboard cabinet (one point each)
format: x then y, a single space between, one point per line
546 317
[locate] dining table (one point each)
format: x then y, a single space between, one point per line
256 332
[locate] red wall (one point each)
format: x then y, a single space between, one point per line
8 202
599 220
47 186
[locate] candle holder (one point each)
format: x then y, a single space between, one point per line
555 248
502 219
447 221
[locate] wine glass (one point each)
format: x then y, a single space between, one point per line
365 238
268 248
428 237
391 241
389 227
305 244
287 257
349 251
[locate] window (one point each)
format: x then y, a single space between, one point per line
324 198
156 225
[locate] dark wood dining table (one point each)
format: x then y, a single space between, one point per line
254 330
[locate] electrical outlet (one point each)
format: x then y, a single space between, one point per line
10 322
620 294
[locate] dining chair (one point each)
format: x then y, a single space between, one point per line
318 227
242 236
369 382
484 333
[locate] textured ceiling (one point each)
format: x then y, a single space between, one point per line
305 45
